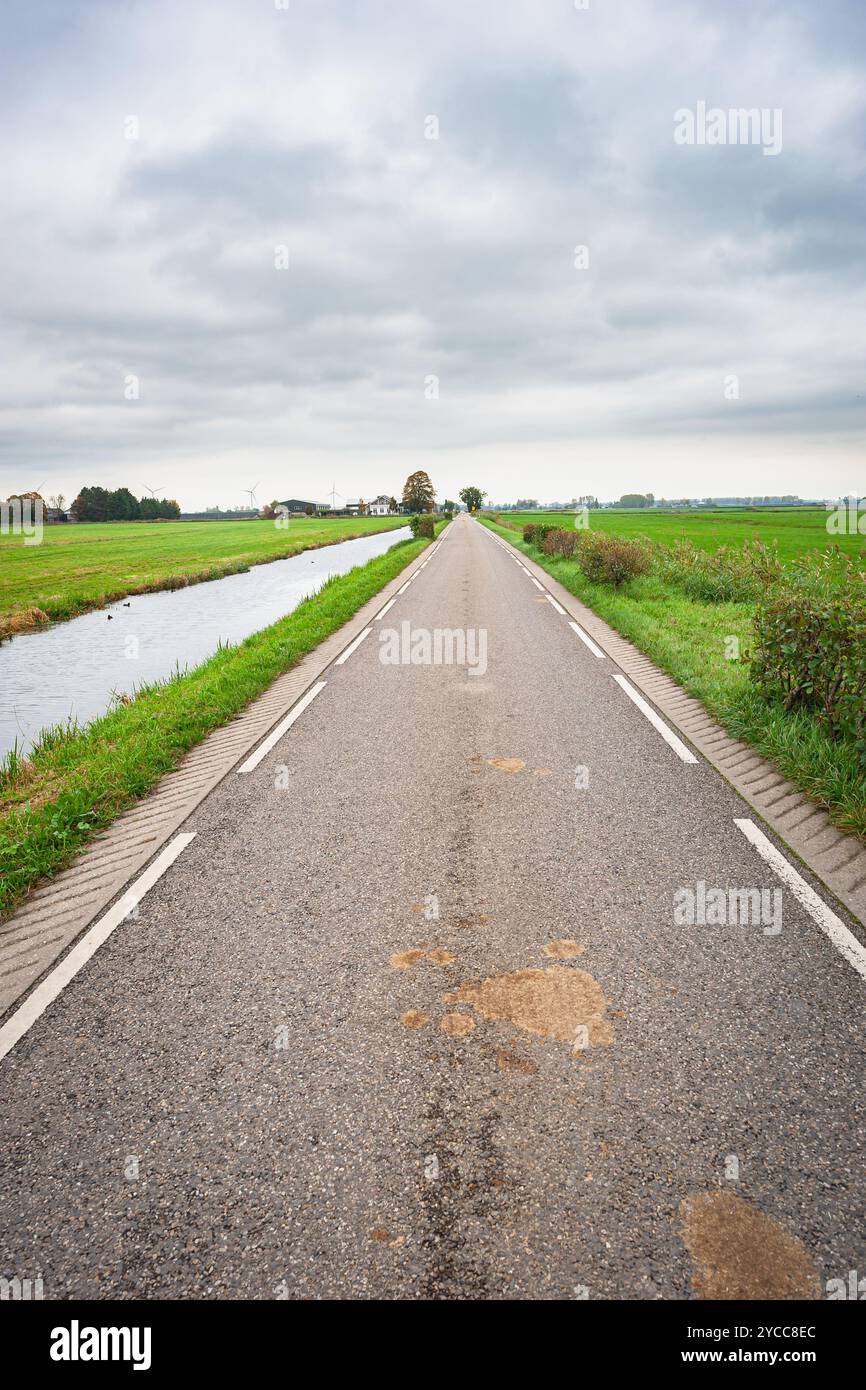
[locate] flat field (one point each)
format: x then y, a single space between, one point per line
78 567
795 530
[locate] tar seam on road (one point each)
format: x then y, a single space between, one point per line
44 995
844 940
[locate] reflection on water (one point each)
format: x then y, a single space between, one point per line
73 669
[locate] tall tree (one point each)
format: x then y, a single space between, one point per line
473 497
419 494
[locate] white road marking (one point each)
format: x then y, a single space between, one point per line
682 752
276 734
44 995
584 637
383 611
535 582
405 586
843 939
353 647
424 566
558 606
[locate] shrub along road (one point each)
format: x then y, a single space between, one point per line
444 1000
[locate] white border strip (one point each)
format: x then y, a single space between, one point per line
276 734
388 606
584 637
558 606
352 647
534 581
843 939
45 994
683 753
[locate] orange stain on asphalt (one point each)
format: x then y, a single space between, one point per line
508 1059
553 1003
440 956
738 1252
564 949
404 959
457 1025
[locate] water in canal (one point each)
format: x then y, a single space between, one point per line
74 669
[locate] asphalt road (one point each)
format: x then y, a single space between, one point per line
316 1066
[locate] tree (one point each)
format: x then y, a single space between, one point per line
122 506
362 507
633 499
58 501
392 504
91 504
448 505
473 497
419 494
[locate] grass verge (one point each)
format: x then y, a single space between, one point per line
690 640
75 783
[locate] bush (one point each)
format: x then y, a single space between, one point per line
422 525
735 574
612 560
537 533
560 542
810 651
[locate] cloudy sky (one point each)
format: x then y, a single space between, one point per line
163 160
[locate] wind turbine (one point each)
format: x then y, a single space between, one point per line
251 494
151 490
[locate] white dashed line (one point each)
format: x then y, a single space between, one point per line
558 606
535 582
584 637
276 734
844 940
45 994
353 647
405 586
388 605
682 752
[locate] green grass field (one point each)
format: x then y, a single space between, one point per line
76 568
795 530
688 638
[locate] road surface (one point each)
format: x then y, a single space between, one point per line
412 1016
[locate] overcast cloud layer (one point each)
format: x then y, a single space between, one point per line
409 257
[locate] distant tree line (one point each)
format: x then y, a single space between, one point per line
100 504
